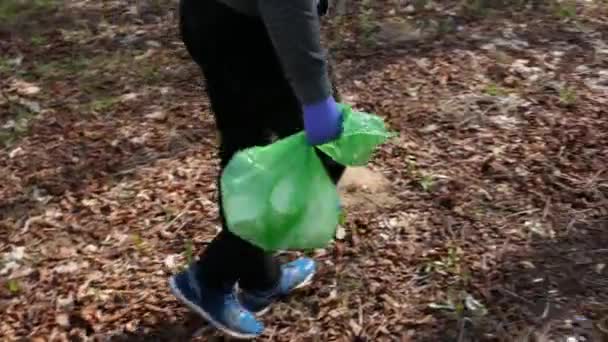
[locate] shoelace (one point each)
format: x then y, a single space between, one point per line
228 297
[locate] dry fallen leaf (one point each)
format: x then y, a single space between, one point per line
63 320
172 261
340 233
25 88
70 267
158 115
128 97
65 303
356 328
113 177
16 152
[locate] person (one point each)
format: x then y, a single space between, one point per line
266 75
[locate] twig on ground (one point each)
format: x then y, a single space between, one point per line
593 251
39 219
463 325
547 206
178 216
524 212
272 333
513 294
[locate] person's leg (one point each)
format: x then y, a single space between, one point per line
246 92
228 258
239 87
216 37
285 114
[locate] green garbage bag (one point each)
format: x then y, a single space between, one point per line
279 196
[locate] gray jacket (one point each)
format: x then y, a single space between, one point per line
293 26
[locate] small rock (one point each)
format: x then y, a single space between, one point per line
340 233
510 80
158 115
140 140
399 32
8 267
153 43
10 124
15 61
70 267
320 252
17 254
488 47
172 261
25 88
66 252
146 55
32 106
16 153
65 302
128 97
91 249
429 128
63 320
333 294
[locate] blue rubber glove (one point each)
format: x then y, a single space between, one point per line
322 121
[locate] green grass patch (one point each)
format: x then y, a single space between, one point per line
493 89
13 286
13 10
150 73
427 182
102 105
38 40
5 65
61 68
565 9
568 96
16 126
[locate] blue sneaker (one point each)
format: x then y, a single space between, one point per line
220 308
294 275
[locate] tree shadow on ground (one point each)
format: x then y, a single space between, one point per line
550 291
178 331
395 38
91 135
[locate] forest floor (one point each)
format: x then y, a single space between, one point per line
489 222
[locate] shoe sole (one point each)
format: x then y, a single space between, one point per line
177 293
305 283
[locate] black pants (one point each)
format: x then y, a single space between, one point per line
251 100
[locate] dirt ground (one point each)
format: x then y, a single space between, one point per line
486 219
